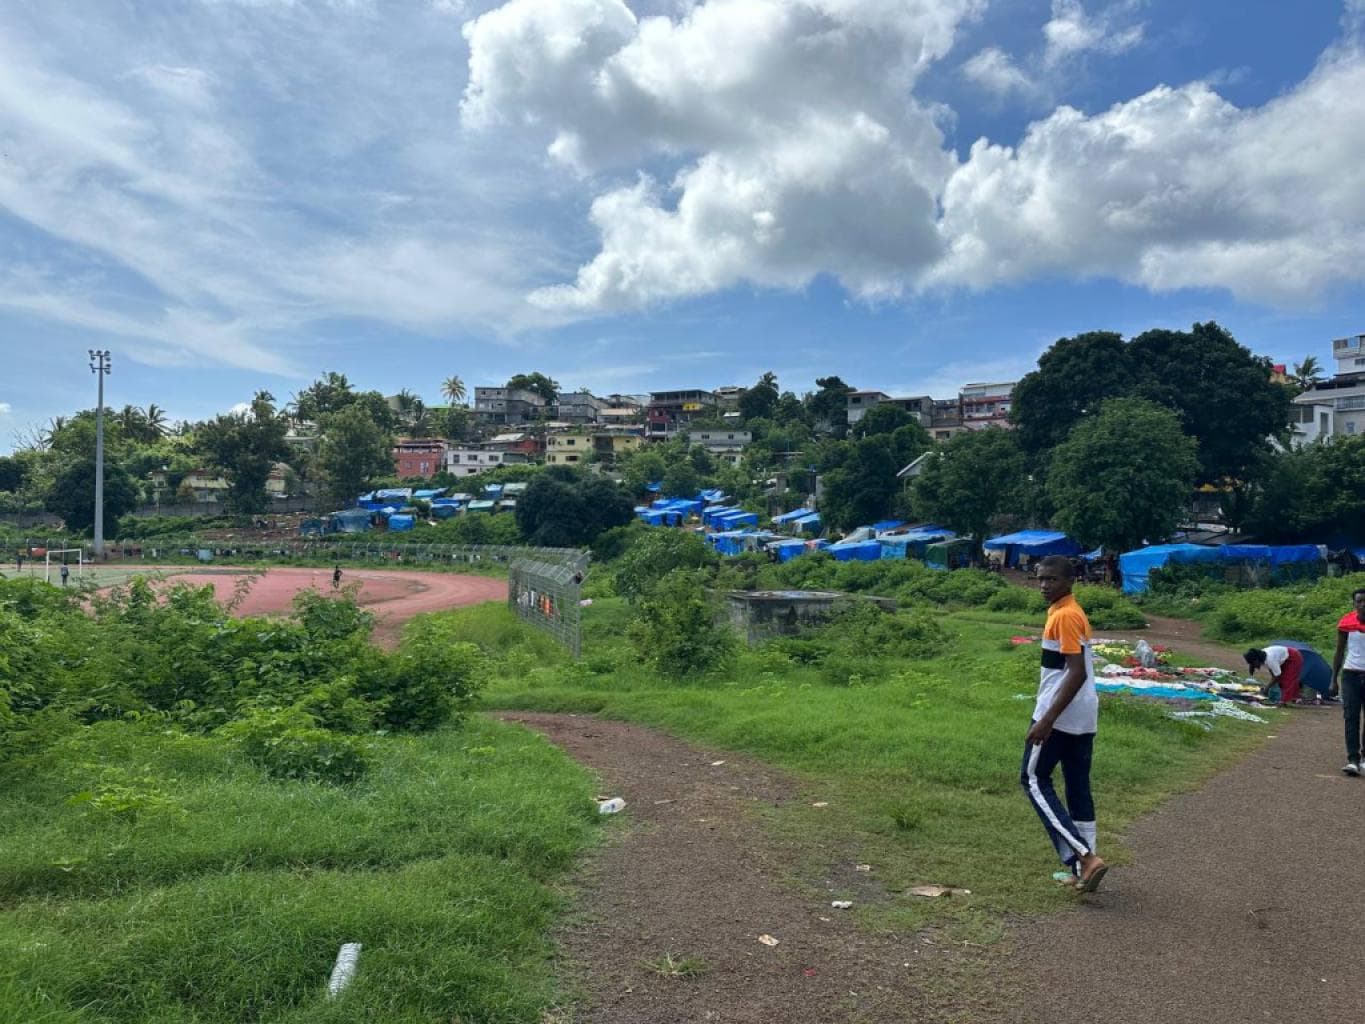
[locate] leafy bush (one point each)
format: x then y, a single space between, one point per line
1108 609
676 630
857 639
431 680
1307 613
289 744
1017 599
657 554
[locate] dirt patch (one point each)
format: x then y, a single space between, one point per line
1242 904
696 876
394 597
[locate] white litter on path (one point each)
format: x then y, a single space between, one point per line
344 970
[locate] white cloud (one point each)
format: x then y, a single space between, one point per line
5 408
996 72
802 149
1176 188
1072 31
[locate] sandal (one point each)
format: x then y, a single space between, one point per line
1091 882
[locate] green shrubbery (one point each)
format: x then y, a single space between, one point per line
907 580
291 693
1106 608
1307 613
860 637
1017 599
676 629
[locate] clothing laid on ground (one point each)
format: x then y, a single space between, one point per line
1070 826
1286 664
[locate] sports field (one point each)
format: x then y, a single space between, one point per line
393 596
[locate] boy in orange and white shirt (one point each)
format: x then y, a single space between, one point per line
1065 719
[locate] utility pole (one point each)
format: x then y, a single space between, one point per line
99 366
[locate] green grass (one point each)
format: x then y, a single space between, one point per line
918 761
203 893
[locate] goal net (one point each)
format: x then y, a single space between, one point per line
72 558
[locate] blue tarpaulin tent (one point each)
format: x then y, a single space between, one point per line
401 524
809 524
1136 566
1033 543
492 490
351 520
430 494
858 551
737 518
712 497
394 494
445 511
661 517
709 516
482 506
791 517
913 543
887 524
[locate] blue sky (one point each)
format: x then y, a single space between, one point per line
913 194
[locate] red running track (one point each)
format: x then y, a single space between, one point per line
394 597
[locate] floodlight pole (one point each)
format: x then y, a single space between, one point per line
99 366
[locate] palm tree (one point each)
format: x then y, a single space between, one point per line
454 390
54 427
130 419
1305 375
155 418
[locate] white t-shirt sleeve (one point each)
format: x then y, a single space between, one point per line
1275 657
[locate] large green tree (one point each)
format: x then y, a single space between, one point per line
1123 476
245 447
972 479
72 495
1224 395
828 406
760 401
354 452
569 510
860 490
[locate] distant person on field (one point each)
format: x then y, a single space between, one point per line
65 573
1348 677
1065 719
20 558
336 578
1285 666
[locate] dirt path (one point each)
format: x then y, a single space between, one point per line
1243 903
697 875
1182 635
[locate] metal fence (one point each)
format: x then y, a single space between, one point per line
547 594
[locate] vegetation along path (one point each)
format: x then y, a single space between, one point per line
1241 904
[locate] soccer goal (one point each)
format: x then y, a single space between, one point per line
74 558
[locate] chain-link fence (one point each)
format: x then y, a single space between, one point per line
547 594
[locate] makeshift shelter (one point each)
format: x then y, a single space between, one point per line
351 520
513 489
809 524
492 490
793 516
401 523
449 511
312 528
709 515
787 549
1238 564
949 554
887 525
913 543
393 494
428 495
857 551
661 517
1032 544
482 506
737 518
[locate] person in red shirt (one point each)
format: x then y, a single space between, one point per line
1348 678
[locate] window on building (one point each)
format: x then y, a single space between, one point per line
1323 428
1350 426
571 458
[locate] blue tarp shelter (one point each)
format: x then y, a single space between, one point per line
430 494
482 506
858 551
393 494
736 542
661 517
351 520
737 518
445 511
913 543
401 523
887 524
809 524
1136 566
712 497
1033 543
791 517
712 514
492 490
